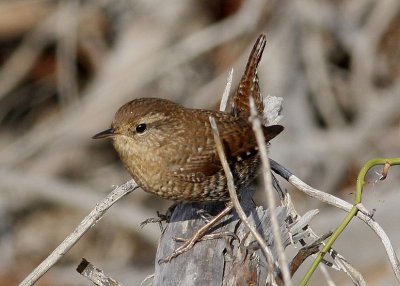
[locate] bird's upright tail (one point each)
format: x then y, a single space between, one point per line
248 85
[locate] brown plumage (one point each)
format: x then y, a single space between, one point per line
169 150
248 85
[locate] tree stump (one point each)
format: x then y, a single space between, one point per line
223 261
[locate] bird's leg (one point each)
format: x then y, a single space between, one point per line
205 215
211 236
160 217
189 243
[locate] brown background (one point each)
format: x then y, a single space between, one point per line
66 66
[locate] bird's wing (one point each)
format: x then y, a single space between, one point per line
239 143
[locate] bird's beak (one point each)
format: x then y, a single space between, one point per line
104 134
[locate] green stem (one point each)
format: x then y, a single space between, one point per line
353 212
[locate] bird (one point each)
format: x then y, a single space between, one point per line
169 149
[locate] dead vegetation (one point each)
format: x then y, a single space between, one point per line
66 66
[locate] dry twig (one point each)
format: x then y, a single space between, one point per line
343 205
235 200
88 222
267 177
96 275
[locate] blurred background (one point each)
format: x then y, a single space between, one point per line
66 66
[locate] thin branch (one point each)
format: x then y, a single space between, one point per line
96 275
297 222
189 243
327 276
89 221
267 177
353 273
343 205
225 95
75 196
234 198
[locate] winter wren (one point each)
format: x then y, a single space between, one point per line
169 150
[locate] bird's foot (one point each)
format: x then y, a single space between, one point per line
160 218
189 243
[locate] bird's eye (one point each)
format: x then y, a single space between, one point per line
140 128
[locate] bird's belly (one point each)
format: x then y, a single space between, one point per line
156 179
